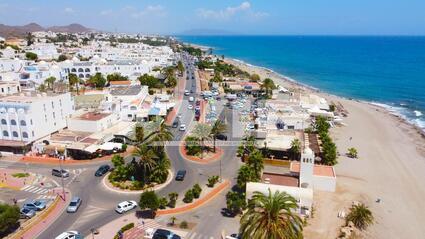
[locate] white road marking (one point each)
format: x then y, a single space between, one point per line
25 187
192 235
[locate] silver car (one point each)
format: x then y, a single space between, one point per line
27 213
74 204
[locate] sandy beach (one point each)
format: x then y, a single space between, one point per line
390 167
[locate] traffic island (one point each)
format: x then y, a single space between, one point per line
206 158
15 179
198 202
108 185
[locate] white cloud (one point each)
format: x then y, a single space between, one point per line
69 10
228 12
106 12
151 10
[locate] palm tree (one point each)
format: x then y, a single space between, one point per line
219 127
295 148
255 161
361 216
245 174
146 159
139 133
50 81
74 81
162 134
271 216
202 132
268 85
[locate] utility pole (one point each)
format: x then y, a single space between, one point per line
60 168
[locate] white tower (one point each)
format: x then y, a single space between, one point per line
307 168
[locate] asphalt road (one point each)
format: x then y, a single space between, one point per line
98 203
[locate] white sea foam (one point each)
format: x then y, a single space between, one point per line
418 113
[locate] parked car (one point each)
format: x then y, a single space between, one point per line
74 204
175 124
221 137
250 126
60 173
191 99
164 234
36 205
125 206
186 92
180 175
70 235
182 127
102 170
234 236
190 107
27 213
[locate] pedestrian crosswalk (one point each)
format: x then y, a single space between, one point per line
35 189
47 197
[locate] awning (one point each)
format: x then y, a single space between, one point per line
92 148
110 146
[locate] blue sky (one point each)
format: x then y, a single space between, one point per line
300 17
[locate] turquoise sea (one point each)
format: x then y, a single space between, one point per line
384 70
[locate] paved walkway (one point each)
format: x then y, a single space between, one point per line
51 160
178 97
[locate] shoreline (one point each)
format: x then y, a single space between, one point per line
390 167
278 78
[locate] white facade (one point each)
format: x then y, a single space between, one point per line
28 117
44 51
8 88
307 168
92 122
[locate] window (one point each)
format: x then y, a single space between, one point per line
32 133
31 121
25 134
53 105
15 134
13 122
3 122
54 115
23 123
5 133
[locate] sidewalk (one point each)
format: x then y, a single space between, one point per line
55 161
178 97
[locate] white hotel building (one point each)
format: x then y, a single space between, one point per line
27 117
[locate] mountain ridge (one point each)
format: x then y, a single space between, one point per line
20 31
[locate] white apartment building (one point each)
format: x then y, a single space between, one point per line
7 88
44 51
27 117
37 73
85 69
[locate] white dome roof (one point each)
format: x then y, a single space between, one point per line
67 61
42 63
96 57
307 150
75 59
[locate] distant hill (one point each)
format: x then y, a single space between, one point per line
207 32
20 31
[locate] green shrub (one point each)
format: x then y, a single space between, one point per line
212 181
184 225
20 175
124 228
173 199
163 202
188 196
196 190
124 147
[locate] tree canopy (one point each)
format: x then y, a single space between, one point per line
31 56
9 219
97 80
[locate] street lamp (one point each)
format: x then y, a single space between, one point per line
60 167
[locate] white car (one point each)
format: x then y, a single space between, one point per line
190 107
125 206
250 127
182 127
69 235
191 99
186 92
